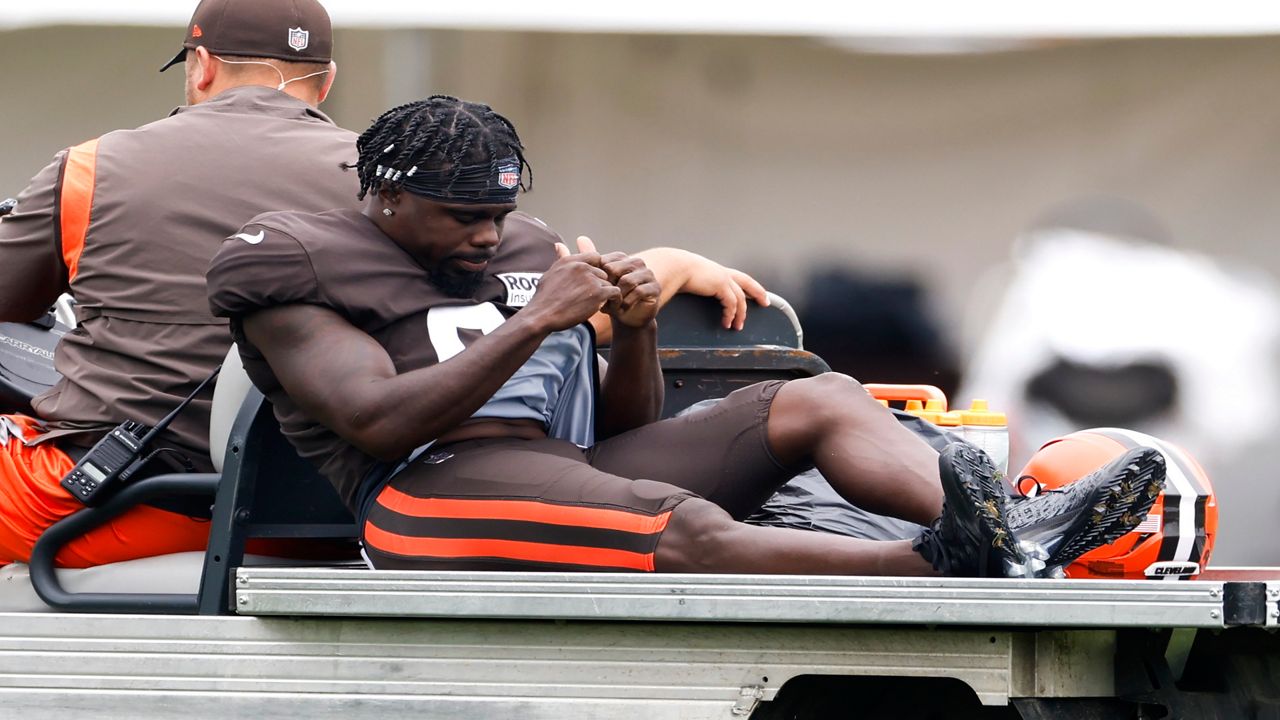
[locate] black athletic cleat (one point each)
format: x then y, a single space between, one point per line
971 537
1095 510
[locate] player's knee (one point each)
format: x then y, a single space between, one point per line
822 397
831 382
696 538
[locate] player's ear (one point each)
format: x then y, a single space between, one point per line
389 196
389 201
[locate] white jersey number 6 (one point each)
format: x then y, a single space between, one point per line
443 324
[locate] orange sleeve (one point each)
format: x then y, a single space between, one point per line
76 202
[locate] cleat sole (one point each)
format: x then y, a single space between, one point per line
1142 472
983 490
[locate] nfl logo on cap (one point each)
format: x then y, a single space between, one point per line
299 38
509 176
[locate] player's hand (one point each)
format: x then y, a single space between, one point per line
638 304
731 287
573 289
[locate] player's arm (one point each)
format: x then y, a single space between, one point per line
345 379
681 271
631 391
32 274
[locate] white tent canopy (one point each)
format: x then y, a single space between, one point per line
906 18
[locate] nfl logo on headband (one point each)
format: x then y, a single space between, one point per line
509 176
299 39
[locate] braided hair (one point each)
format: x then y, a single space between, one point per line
441 131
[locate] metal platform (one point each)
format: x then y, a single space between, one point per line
747 598
138 666
354 644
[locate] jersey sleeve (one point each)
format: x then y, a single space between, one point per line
260 267
32 274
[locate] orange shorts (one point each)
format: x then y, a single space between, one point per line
31 500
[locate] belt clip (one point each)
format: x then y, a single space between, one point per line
10 430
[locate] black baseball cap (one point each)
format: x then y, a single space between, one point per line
282 29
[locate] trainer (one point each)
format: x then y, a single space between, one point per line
126 223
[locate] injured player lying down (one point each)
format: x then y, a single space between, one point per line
462 416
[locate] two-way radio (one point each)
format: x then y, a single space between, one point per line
118 456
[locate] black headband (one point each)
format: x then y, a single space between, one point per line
493 183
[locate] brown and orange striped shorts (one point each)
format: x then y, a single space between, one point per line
506 504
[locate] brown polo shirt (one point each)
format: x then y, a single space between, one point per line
132 244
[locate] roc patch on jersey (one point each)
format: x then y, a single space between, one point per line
520 287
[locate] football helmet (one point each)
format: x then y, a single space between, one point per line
1176 538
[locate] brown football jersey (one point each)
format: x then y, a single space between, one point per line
340 260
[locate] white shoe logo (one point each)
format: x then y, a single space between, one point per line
252 239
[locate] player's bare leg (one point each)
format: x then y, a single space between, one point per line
968 538
701 537
863 451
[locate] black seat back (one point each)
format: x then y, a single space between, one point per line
702 360
694 321
267 491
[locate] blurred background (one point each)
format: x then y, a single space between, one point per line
1072 215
